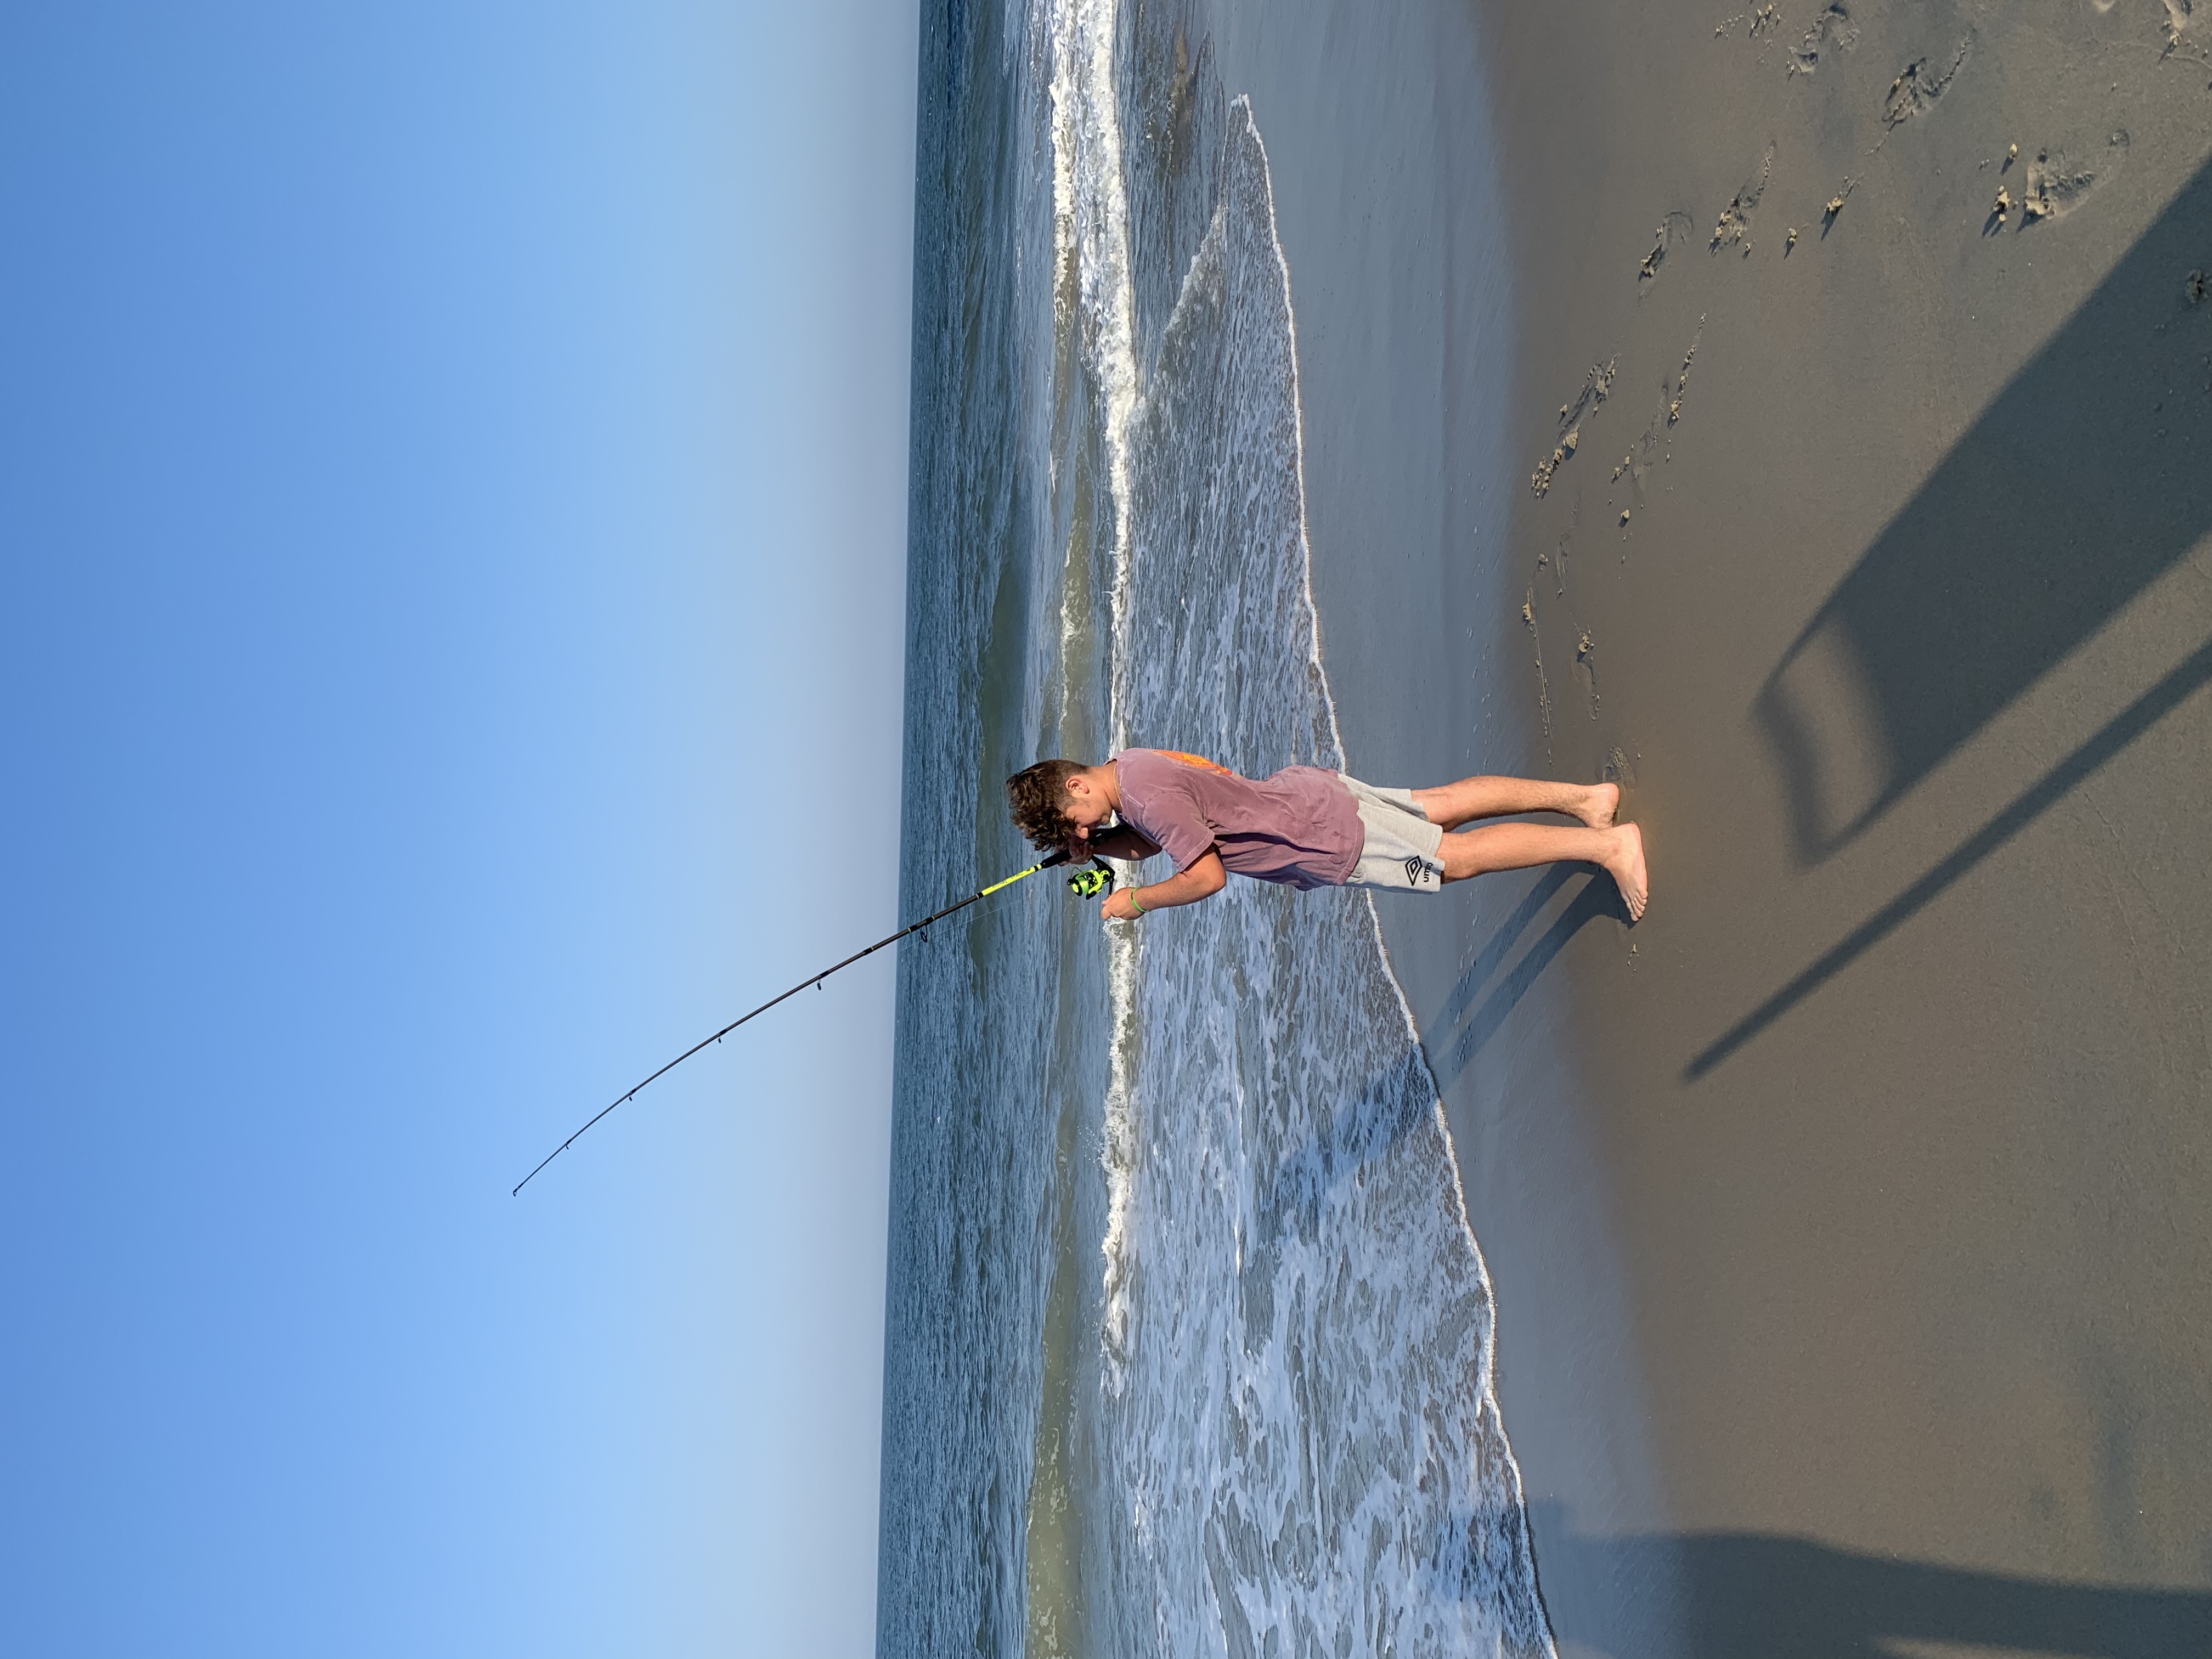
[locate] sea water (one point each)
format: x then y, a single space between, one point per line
1190 1344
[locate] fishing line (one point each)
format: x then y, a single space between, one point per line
1084 884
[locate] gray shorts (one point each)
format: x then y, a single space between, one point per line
1402 849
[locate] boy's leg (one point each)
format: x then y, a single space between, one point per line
1454 804
1519 845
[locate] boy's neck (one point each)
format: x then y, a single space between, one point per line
1109 779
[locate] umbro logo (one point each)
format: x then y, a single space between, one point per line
1417 872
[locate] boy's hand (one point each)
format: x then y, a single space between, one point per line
1202 880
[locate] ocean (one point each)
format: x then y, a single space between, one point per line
1190 1344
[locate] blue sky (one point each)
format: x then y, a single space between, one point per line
453 524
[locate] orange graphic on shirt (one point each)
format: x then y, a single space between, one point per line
1196 760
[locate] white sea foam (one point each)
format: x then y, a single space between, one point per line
1303 1445
1092 211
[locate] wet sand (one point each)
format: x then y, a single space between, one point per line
1852 1216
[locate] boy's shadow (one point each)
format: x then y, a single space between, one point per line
1362 1133
1452 1045
1367 1129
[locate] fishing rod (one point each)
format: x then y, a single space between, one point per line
1084 884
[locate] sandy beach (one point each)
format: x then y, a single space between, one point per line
1804 418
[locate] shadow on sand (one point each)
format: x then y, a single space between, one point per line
1366 1127
1756 1595
1470 1016
2138 717
2088 478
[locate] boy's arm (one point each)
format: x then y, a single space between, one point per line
1122 842
1205 878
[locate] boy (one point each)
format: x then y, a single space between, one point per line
1310 827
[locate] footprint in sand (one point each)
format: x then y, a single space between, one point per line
1681 386
2056 185
1919 84
1597 385
1832 31
1835 206
1540 479
1673 232
1734 229
2176 29
1543 684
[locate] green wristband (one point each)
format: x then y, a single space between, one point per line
1133 905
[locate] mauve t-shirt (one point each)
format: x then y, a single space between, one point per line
1300 826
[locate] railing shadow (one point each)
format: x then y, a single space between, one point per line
1757 1595
2088 478
2131 722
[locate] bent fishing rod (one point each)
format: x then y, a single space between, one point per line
1084 884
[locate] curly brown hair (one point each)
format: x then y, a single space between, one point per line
1036 796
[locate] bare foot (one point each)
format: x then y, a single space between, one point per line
1599 802
1625 864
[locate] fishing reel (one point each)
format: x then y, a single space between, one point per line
1094 883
